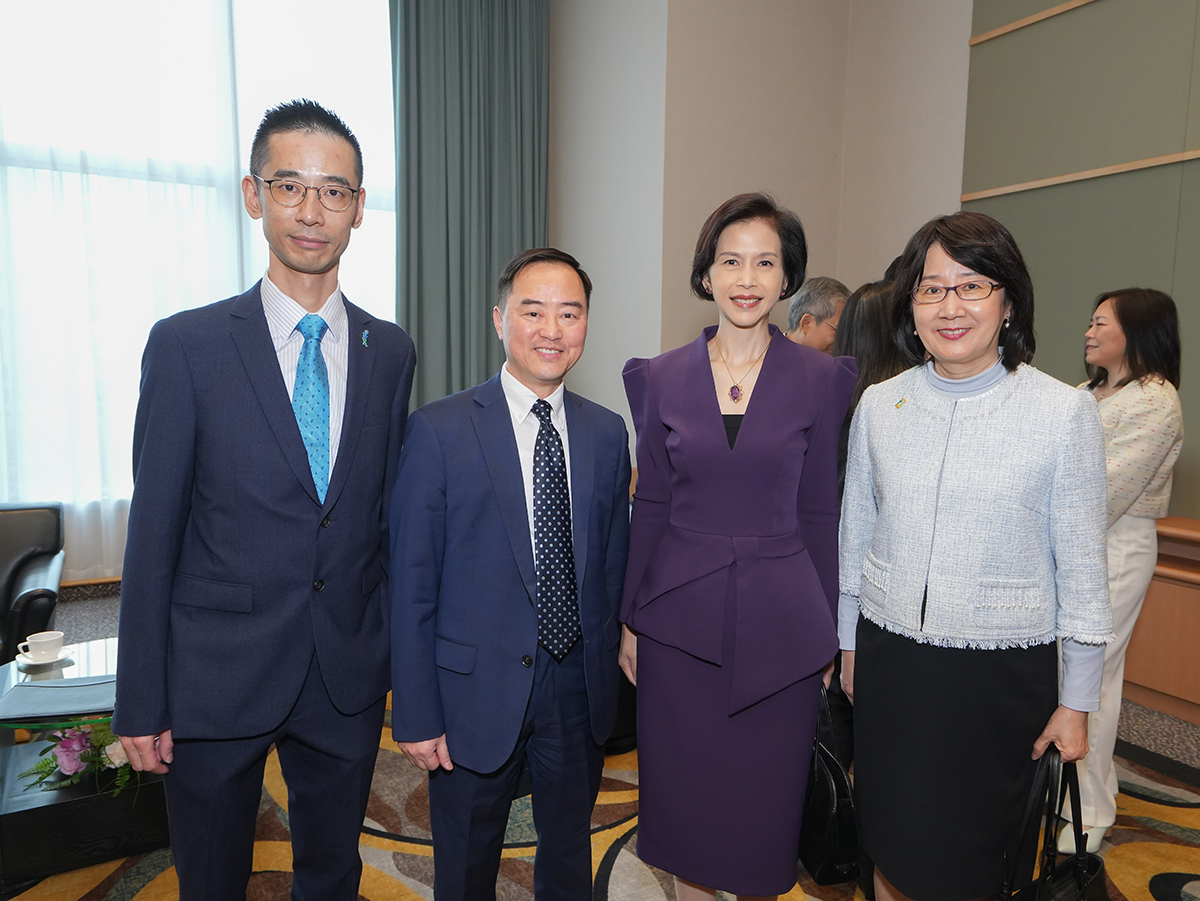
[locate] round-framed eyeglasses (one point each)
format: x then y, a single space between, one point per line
286 192
968 291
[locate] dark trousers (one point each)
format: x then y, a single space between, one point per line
469 810
214 787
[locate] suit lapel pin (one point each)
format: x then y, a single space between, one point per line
366 332
900 403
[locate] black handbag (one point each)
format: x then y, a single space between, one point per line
828 834
1079 876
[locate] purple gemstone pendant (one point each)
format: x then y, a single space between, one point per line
735 394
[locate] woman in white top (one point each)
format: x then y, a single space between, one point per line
1132 354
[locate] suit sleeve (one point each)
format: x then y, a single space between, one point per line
652 497
1077 526
418 535
817 498
617 551
399 421
164 439
1146 434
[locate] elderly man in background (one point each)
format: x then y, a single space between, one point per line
814 312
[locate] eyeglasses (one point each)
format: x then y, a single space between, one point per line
285 192
969 291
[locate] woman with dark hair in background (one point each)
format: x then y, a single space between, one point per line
972 538
865 333
731 587
1132 353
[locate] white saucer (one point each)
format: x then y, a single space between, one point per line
29 661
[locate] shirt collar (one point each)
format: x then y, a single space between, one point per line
521 399
283 313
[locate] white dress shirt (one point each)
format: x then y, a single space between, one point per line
283 315
525 428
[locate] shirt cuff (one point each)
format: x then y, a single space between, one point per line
1082 672
847 621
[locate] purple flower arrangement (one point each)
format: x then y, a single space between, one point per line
74 753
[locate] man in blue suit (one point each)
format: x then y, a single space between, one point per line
510 529
267 436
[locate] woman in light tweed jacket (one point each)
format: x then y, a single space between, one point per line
1132 352
972 538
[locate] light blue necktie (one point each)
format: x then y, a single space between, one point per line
310 400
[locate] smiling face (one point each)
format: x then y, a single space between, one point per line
306 241
746 277
961 336
1104 342
543 325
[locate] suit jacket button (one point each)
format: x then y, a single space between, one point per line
526 660
325 523
319 584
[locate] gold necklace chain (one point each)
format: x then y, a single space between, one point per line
735 392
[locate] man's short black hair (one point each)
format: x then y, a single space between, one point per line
301 115
535 255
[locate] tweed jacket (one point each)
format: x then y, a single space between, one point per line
976 522
1143 434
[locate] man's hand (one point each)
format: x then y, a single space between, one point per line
149 753
1069 730
428 755
848 675
628 655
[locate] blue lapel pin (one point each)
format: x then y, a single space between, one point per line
365 333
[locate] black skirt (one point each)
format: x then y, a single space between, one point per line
942 741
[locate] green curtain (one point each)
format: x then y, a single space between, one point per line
471 82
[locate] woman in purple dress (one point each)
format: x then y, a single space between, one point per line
730 595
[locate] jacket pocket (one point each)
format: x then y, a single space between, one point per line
874 577
1009 594
228 596
453 655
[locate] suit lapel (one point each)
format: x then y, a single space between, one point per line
360 363
582 440
252 338
493 428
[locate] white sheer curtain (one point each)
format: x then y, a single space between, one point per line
123 136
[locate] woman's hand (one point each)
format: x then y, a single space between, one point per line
1068 729
628 656
848 675
827 675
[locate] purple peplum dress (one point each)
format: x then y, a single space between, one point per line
732 588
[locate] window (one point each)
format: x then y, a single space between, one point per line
123 138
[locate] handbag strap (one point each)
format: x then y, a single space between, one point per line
825 731
1071 787
1042 797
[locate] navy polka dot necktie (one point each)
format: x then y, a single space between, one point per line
553 550
310 400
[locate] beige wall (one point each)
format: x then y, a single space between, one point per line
607 108
906 112
662 109
755 97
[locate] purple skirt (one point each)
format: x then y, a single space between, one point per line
720 796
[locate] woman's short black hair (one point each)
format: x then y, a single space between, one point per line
980 243
1150 322
743 208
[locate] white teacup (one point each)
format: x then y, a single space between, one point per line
42 647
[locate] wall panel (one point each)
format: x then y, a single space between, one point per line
1102 84
1083 238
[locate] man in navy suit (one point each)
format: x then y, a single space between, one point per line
505 592
267 436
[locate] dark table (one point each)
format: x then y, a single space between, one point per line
48 832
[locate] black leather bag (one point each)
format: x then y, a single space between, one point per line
1080 876
828 834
